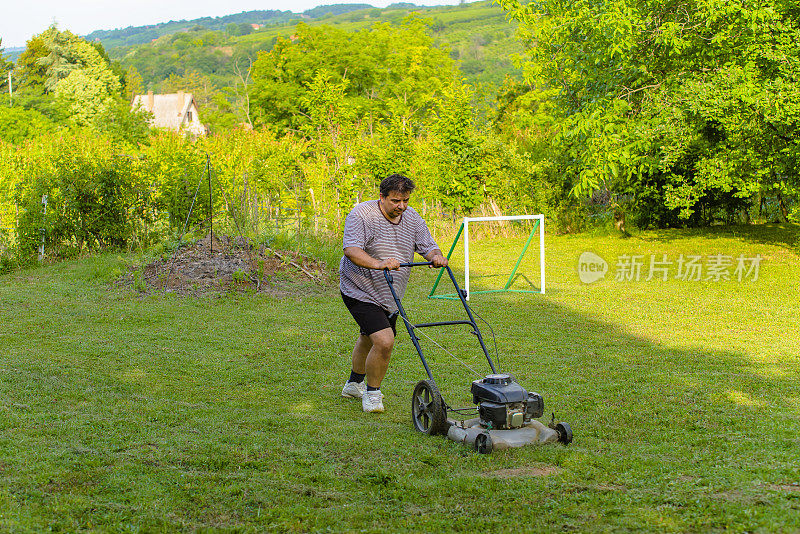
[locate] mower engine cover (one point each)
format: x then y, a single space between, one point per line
503 403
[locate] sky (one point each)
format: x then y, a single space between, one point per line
22 19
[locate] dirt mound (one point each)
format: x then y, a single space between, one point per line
229 264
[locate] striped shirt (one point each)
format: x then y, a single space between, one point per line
368 229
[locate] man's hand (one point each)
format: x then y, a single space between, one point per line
362 259
438 260
389 263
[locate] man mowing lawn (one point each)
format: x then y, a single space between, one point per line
379 234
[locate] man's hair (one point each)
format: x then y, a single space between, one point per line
396 182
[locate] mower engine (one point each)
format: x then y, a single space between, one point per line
503 403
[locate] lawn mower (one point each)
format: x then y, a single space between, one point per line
506 411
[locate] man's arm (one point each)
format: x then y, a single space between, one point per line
436 257
362 259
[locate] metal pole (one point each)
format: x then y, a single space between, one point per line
42 231
210 203
541 250
10 91
466 256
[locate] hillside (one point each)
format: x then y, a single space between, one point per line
135 35
477 35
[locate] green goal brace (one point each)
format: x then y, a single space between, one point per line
464 229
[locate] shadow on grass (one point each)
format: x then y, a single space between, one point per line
692 402
620 388
785 235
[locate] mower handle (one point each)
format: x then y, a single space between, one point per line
462 295
416 263
411 264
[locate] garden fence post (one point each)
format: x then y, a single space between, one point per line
42 230
210 203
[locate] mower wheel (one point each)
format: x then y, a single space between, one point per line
564 433
428 413
483 443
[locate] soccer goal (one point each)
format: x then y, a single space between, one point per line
464 230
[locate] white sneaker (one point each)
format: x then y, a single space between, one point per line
354 390
372 401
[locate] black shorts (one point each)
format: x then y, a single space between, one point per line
370 317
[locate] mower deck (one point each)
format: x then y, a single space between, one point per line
473 434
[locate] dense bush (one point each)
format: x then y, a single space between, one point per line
100 196
90 192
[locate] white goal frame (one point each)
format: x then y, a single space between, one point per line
464 229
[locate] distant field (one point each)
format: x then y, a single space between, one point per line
162 413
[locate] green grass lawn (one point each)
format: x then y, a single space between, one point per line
222 413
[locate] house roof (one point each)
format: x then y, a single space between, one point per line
170 110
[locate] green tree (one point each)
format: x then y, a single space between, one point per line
459 151
5 66
134 85
30 93
331 126
33 73
65 77
233 29
77 75
696 105
124 125
382 64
